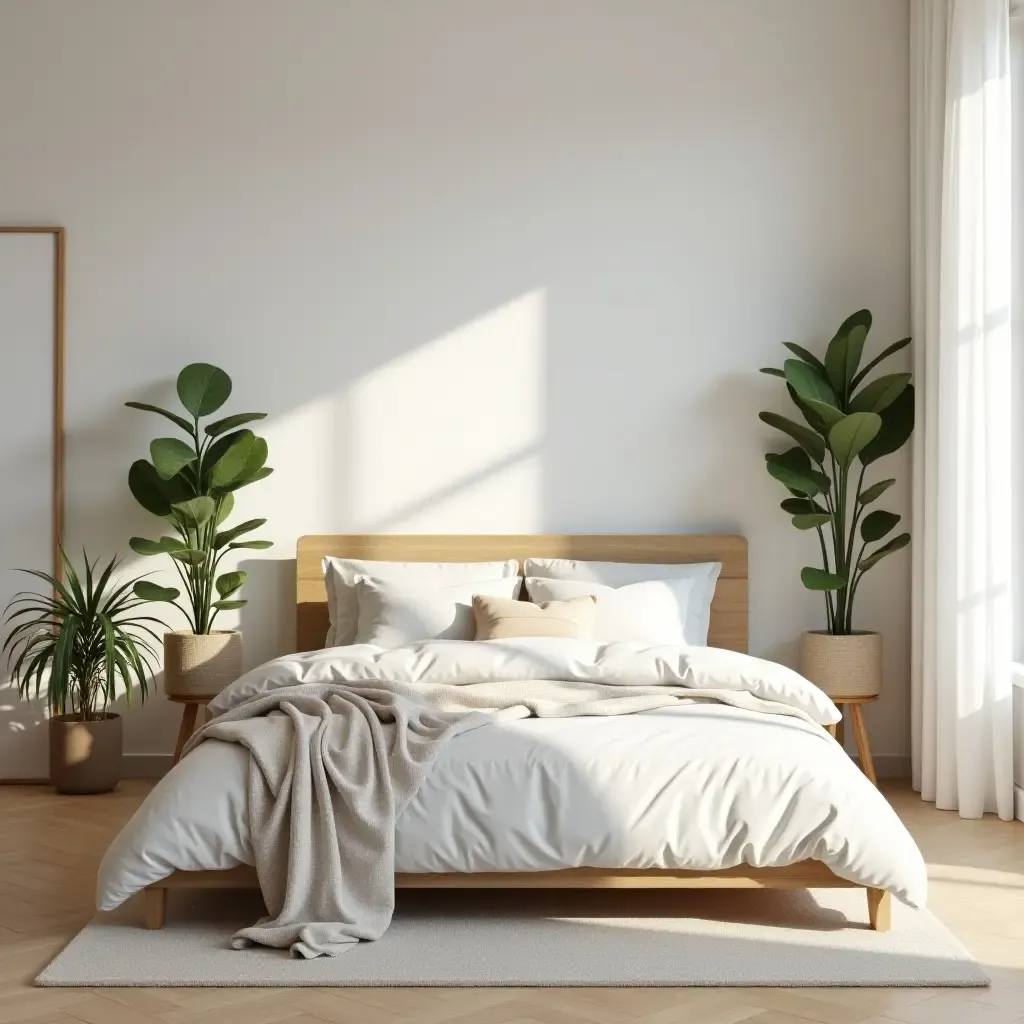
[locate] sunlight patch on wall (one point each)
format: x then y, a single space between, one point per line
308 492
448 438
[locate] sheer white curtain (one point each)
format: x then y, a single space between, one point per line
962 551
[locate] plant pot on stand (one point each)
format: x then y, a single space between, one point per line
191 483
197 666
848 421
848 668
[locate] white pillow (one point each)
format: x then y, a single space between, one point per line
340 575
650 613
392 614
619 574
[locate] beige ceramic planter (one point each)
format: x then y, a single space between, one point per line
85 757
843 666
201 665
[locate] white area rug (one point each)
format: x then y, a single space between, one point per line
641 938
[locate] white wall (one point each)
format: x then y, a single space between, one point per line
491 266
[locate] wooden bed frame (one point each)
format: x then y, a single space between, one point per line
728 629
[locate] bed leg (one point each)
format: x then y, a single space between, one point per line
155 907
879 910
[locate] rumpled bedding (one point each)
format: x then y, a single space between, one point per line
504 755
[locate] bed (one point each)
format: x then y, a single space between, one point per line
673 755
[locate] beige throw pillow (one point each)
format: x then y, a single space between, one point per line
498 618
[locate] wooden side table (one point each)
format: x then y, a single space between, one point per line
189 713
860 731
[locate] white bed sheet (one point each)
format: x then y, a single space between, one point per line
697 786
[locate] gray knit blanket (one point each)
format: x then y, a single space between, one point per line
340 741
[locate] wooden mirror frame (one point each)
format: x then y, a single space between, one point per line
57 393
59 250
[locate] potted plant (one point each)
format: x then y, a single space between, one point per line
190 484
850 422
79 642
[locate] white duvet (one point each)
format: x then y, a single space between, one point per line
700 785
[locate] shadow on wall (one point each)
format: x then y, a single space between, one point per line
109 515
23 737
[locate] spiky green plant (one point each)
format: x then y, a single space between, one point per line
79 641
850 420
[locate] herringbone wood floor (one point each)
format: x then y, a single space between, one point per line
50 846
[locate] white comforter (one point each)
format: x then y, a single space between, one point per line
702 785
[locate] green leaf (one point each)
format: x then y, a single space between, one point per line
854 349
847 358
828 414
146 487
236 531
772 372
808 521
225 606
220 447
818 579
203 388
895 347
794 458
172 416
148 591
862 318
806 438
190 556
196 511
227 506
897 426
230 422
802 506
260 474
256 545
877 524
805 355
810 384
844 351
170 456
875 491
154 494
886 549
163 546
880 393
241 460
814 420
835 363
793 468
851 434
178 488
230 583
244 481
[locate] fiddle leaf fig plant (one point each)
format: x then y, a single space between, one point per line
190 484
849 423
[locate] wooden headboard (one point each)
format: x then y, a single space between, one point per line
728 611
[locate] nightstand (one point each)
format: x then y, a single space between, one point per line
189 713
860 732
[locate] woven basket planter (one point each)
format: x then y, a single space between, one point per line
201 665
843 666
